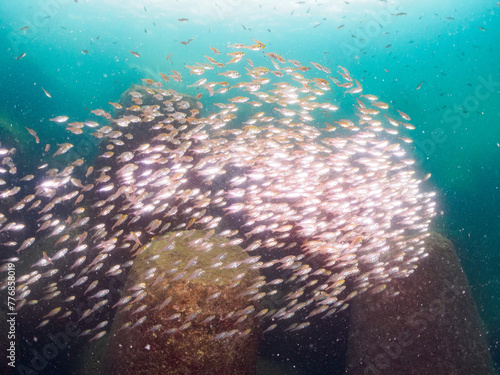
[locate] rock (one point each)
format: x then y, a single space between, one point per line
431 327
193 350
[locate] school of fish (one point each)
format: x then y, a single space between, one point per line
291 162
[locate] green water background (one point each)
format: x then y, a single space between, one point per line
450 49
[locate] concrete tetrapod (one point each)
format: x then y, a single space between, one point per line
192 320
425 324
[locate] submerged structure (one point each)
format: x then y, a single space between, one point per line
432 327
296 177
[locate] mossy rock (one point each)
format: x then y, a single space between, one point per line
193 347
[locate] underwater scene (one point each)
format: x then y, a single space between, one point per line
249 187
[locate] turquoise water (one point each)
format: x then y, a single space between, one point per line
438 63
